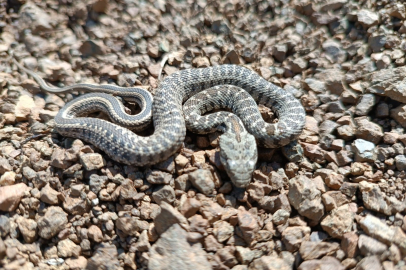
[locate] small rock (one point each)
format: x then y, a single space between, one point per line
269 263
158 177
400 161
305 197
28 229
34 18
52 222
293 237
399 114
172 249
334 51
349 244
339 221
92 161
374 199
280 217
4 166
312 250
93 48
131 225
4 226
7 179
49 195
248 224
377 229
95 234
202 179
105 257
190 207
67 248
325 263
222 230
369 263
364 150
164 193
10 196
23 107
367 18
76 263
167 217
59 160
368 130
369 246
365 104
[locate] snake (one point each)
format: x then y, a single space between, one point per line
123 145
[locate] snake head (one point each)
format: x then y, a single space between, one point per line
238 156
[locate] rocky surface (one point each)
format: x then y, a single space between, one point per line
65 205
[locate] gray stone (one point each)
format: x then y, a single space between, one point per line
368 130
326 263
375 228
202 179
92 161
369 246
339 221
52 222
167 217
367 18
105 257
369 263
377 42
400 161
97 182
4 226
365 104
389 82
399 114
364 150
173 251
334 51
374 199
305 197
315 85
164 193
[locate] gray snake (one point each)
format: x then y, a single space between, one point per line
124 146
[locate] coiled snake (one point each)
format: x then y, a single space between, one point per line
124 146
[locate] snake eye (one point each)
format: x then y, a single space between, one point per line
251 163
231 164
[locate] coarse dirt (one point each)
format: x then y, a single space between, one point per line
65 205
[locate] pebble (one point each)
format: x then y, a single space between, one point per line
105 256
173 249
368 130
363 150
400 161
92 161
164 193
7 179
202 179
365 104
305 197
367 18
339 221
10 196
52 222
399 114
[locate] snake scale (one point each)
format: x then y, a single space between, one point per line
123 145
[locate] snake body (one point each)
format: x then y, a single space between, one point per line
124 146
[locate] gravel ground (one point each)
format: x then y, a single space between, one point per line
65 205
